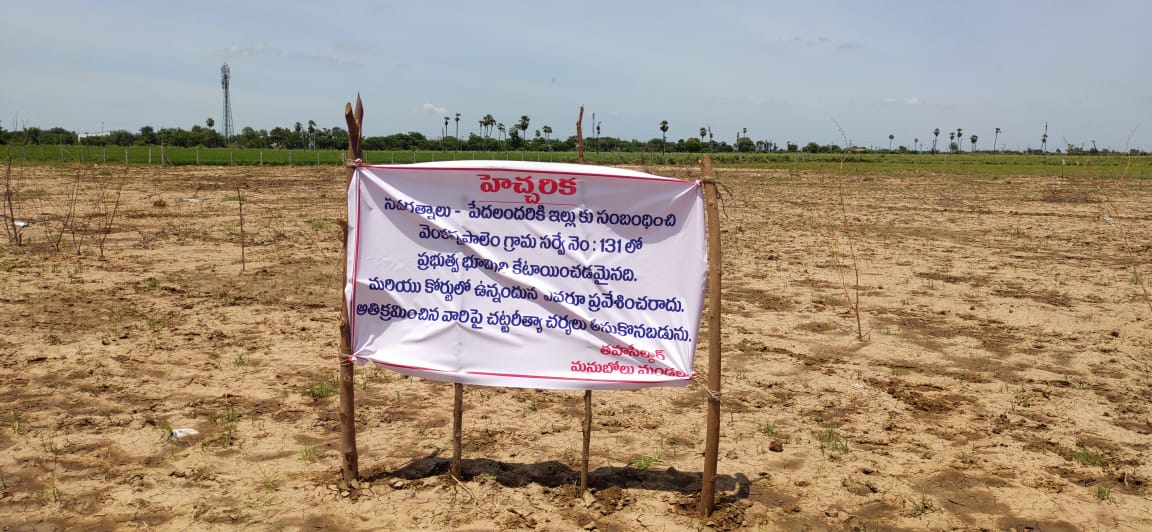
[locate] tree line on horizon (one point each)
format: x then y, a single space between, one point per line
494 136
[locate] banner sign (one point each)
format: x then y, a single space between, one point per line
532 275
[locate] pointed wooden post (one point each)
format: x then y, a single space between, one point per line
587 440
457 428
350 469
712 437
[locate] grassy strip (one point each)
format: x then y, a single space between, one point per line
1073 166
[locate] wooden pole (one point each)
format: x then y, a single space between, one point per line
587 440
587 393
580 136
350 470
712 438
457 423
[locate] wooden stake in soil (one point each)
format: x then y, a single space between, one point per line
712 438
587 440
457 422
350 467
240 200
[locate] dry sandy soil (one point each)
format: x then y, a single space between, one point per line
1003 379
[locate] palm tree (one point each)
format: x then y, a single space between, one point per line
446 119
952 141
500 128
891 137
935 137
703 131
995 139
457 126
973 139
711 143
209 122
960 139
664 136
523 126
487 122
1044 138
916 144
547 132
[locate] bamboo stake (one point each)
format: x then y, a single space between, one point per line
712 438
457 422
350 470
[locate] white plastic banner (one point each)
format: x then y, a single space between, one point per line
533 275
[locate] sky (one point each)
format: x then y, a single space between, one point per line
843 72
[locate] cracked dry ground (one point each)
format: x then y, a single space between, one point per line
1003 378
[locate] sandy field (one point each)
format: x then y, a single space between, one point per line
999 375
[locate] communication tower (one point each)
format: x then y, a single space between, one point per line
226 129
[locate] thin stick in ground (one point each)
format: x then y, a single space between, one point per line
240 200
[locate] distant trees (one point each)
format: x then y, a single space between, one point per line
935 137
664 136
974 138
995 139
891 137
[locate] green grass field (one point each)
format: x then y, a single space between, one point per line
984 163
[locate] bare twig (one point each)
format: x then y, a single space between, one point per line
852 296
107 228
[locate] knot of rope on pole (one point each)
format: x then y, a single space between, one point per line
718 396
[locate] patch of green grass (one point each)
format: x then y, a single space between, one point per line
828 300
1089 457
240 360
309 454
645 461
767 428
325 388
831 441
1103 493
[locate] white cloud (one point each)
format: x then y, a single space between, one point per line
262 49
430 108
907 100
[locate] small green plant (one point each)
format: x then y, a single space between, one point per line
922 506
1088 457
240 360
767 428
52 491
309 454
228 422
152 283
165 430
831 441
646 461
267 482
16 422
1103 493
827 300
325 388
